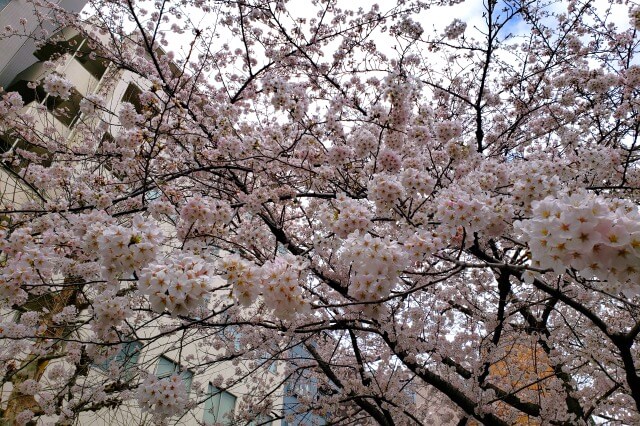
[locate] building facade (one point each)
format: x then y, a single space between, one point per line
17 50
216 398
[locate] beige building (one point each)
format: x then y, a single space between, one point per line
23 71
17 51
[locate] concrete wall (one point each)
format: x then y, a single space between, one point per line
17 51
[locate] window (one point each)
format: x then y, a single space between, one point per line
268 358
127 357
231 335
65 110
273 367
261 420
235 334
152 194
219 407
167 367
132 95
300 385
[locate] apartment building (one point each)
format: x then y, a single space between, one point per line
17 55
17 51
22 70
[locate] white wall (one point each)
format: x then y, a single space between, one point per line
16 52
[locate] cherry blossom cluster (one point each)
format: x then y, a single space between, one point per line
12 330
389 160
127 143
56 85
163 398
67 315
46 177
24 417
420 181
179 284
30 387
160 207
375 264
455 29
123 250
253 202
203 214
10 284
128 115
400 90
385 190
475 212
598 237
409 28
30 319
601 83
351 215
90 102
29 264
595 163
363 141
420 134
289 97
632 76
533 186
282 290
339 155
11 102
634 15
279 281
110 311
447 130
422 244
243 277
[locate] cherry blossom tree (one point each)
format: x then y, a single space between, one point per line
449 213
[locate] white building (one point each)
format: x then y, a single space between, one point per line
17 51
23 70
